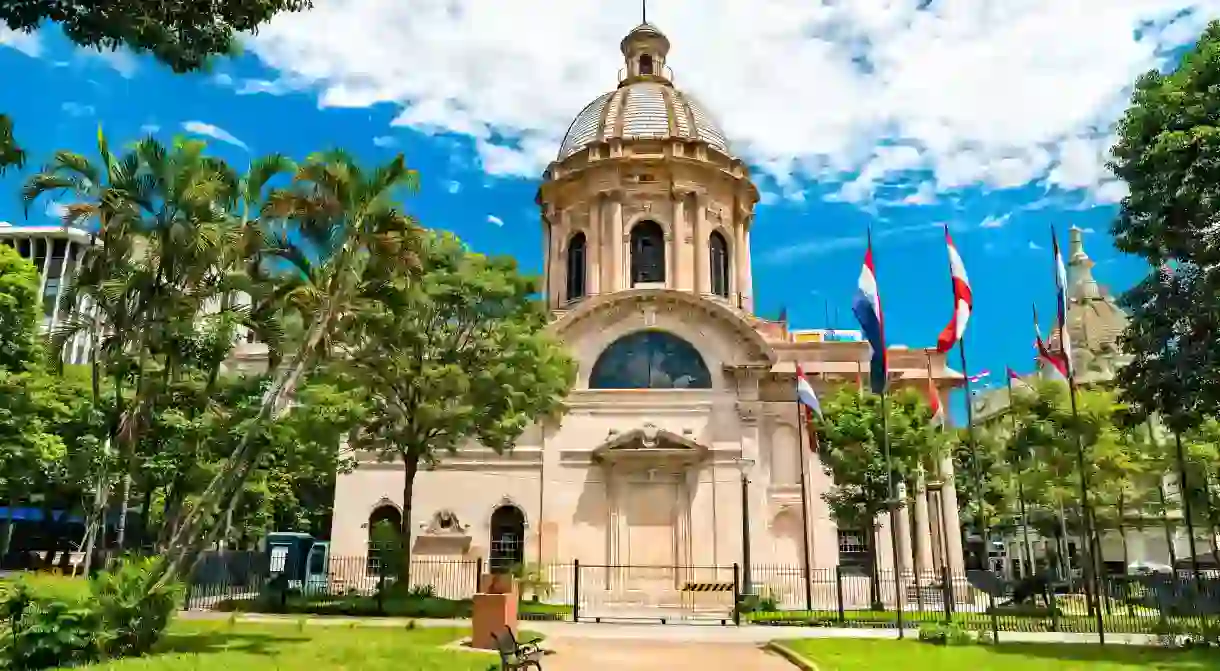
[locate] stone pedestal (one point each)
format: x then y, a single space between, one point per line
495 607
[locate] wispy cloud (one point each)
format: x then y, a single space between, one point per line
77 109
384 141
494 220
150 129
994 222
56 209
119 60
819 247
26 43
1034 245
214 132
453 186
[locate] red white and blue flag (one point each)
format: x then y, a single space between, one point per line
867 309
1061 300
938 411
805 395
1045 355
963 300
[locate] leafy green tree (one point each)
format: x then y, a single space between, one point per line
19 306
1167 151
351 241
184 36
851 450
460 355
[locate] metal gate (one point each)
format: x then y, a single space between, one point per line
656 594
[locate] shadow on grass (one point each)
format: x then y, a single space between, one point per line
226 641
1143 657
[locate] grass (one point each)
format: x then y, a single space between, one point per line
48 584
861 655
392 606
1119 621
263 647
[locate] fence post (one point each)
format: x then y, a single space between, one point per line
946 592
839 593
1050 593
576 590
381 587
478 574
736 594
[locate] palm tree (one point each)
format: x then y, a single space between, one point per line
11 155
343 238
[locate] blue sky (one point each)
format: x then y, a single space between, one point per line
903 118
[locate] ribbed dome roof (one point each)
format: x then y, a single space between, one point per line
638 111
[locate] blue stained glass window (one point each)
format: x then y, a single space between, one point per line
650 360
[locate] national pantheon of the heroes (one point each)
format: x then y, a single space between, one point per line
682 391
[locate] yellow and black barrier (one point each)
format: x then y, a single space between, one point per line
707 587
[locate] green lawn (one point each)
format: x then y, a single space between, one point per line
264 647
862 655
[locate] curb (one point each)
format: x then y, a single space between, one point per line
791 655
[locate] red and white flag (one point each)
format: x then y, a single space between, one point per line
1015 380
963 300
1051 360
1061 300
938 411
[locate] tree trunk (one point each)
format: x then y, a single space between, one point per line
145 513
227 484
410 469
6 536
874 580
1169 541
120 531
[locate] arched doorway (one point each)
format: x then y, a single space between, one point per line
507 539
384 527
647 253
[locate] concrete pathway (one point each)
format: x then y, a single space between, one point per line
582 654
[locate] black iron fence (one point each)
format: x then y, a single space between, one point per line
764 595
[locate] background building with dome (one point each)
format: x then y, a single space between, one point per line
683 413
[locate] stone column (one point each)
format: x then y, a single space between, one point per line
615 524
949 515
904 531
680 277
739 259
747 285
594 253
699 247
923 530
682 528
63 274
618 244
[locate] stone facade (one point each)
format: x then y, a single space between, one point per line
682 392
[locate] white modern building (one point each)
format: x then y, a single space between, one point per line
56 252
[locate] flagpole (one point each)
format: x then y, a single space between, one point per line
893 502
1029 554
978 483
1086 512
800 445
944 528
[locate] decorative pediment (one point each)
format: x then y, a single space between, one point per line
650 442
445 523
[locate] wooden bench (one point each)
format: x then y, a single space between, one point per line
517 656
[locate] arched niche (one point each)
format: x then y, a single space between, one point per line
650 359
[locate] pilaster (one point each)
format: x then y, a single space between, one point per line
594 258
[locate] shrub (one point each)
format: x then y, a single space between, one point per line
945 634
134 616
44 631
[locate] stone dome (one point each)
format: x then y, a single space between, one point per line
645 106
642 111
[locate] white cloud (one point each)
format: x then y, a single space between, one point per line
453 186
77 109
858 93
150 129
119 60
1034 245
214 132
26 43
494 220
994 222
791 253
222 79
56 209
384 141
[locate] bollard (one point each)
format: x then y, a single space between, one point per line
737 594
576 590
839 593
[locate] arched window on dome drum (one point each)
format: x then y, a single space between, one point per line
576 267
650 360
646 64
647 253
718 260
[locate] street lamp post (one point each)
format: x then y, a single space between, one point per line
744 464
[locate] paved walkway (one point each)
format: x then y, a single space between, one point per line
583 654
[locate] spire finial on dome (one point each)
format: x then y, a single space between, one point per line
644 50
